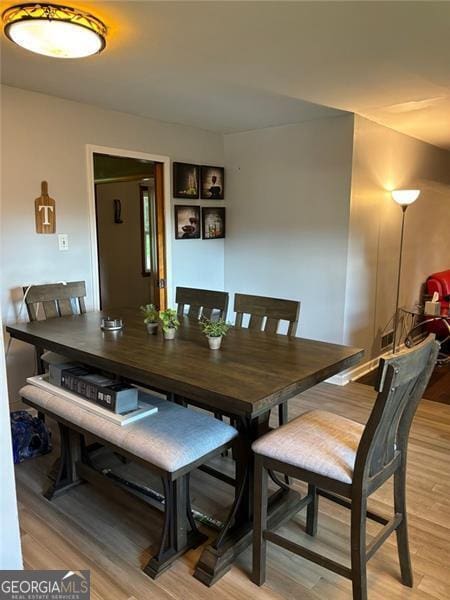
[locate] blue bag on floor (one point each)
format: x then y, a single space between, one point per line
30 436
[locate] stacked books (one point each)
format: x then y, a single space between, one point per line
94 391
117 397
144 409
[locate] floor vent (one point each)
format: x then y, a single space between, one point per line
387 339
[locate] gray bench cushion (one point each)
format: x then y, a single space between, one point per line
318 441
170 439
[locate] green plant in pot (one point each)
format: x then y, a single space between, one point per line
169 322
214 331
151 315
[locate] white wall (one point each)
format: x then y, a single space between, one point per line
288 192
45 138
199 263
10 549
383 160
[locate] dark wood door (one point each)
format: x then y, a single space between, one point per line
131 240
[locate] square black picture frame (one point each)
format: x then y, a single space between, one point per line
212 183
186 181
213 222
187 217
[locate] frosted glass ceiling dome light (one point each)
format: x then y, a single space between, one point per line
405 197
54 30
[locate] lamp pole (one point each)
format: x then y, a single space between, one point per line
399 275
404 198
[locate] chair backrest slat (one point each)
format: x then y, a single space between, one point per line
256 322
57 299
81 304
238 320
207 312
193 311
65 307
402 380
201 303
50 309
266 313
271 325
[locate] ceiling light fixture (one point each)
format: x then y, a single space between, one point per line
53 30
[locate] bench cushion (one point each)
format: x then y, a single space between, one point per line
170 439
317 441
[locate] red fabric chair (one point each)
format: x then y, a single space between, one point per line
440 283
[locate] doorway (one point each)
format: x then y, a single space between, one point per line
130 231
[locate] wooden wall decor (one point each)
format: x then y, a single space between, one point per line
45 211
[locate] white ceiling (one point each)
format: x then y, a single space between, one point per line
229 66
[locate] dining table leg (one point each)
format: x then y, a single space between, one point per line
236 534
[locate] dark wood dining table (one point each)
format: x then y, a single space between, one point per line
252 373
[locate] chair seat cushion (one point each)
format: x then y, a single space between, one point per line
170 439
317 441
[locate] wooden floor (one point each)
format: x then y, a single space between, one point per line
439 386
86 530
438 389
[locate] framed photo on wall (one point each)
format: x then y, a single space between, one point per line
213 222
187 222
186 180
212 183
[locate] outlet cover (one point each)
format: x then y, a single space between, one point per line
63 241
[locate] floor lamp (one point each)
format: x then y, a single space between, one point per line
404 198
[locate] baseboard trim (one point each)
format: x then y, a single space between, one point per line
360 370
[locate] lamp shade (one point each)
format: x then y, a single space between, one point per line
53 30
405 197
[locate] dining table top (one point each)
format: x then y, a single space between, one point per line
252 372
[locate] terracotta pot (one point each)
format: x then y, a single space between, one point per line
152 328
169 334
214 342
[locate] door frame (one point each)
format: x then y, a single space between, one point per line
165 160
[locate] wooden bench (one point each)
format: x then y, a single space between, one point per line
171 443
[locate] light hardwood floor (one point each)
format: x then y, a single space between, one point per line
86 530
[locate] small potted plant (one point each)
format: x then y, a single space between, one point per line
214 331
151 315
170 323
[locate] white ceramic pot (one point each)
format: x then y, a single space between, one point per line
169 334
214 342
152 328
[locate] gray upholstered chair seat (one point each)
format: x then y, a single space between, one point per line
170 439
318 441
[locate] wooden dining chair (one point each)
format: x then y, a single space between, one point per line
57 300
197 303
266 314
346 462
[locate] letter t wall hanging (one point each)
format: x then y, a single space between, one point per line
44 208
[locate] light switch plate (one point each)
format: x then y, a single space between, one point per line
63 241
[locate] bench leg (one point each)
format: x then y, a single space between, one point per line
66 475
40 370
176 536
